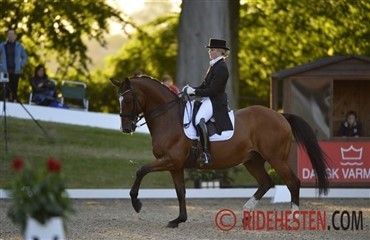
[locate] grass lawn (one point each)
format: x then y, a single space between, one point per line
91 157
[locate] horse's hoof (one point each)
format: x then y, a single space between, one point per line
137 205
172 225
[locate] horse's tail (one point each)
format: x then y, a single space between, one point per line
306 138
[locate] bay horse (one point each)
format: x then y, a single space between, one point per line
260 134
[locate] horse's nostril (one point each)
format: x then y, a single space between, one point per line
126 130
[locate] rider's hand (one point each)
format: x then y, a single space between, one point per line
184 88
190 90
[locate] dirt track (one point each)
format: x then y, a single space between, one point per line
115 219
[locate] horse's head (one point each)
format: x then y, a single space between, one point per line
130 109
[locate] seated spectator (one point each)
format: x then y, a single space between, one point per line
168 81
350 127
44 91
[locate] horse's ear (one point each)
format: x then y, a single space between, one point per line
115 82
127 83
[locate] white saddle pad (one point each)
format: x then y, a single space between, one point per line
191 132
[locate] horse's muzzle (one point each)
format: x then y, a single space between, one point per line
128 128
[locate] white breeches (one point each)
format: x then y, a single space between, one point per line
205 111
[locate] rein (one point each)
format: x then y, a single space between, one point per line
186 98
156 112
161 109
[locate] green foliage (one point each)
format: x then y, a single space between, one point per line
273 35
276 34
57 31
153 50
38 193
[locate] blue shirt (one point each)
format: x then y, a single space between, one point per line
20 57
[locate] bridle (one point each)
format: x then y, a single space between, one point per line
135 116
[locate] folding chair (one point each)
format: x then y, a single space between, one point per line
74 95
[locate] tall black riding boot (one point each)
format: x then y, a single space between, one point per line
205 156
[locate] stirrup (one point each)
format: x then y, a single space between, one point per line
205 158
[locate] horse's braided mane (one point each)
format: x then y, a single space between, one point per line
156 81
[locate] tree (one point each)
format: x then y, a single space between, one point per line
272 35
152 50
199 21
57 30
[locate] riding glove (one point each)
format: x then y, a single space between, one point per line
190 90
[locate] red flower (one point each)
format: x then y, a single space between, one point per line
17 164
54 165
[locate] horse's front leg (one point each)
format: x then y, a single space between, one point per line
151 167
136 203
178 179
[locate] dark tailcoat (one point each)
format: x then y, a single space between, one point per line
214 86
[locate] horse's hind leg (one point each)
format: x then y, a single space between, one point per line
256 166
290 179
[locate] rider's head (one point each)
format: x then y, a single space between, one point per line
351 117
217 48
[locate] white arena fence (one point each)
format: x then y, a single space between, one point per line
67 116
278 194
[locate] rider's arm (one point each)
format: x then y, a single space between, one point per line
217 84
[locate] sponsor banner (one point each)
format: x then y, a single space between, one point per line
349 162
